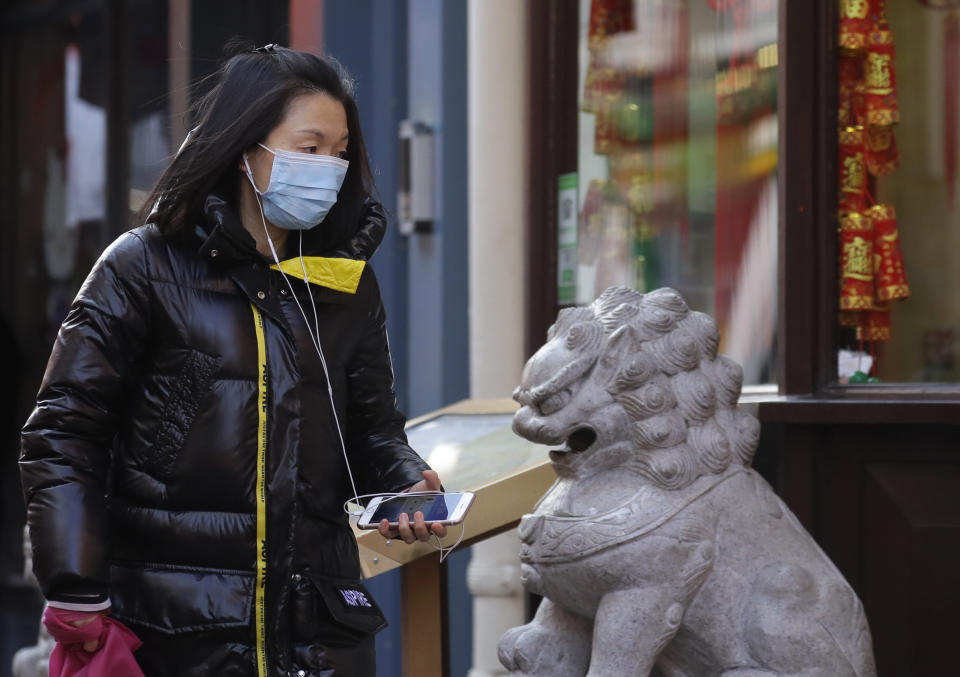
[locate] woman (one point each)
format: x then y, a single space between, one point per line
187 461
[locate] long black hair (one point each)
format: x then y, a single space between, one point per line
250 95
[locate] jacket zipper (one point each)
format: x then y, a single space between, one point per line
261 493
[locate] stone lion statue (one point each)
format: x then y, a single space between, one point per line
659 550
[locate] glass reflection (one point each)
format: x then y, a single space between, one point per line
676 181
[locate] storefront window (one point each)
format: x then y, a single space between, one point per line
74 187
899 219
95 98
676 183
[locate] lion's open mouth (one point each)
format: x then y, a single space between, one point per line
579 440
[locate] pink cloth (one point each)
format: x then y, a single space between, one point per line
113 658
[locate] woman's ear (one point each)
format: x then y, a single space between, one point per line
243 164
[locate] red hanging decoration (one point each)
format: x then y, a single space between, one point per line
883 157
872 270
852 166
874 324
851 107
880 78
856 251
890 278
855 25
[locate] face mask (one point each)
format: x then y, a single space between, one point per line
302 188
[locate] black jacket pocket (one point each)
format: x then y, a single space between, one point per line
334 611
191 385
174 599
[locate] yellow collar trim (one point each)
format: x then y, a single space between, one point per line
337 274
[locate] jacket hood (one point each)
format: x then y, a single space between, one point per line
222 230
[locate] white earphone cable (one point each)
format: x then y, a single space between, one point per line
314 338
314 334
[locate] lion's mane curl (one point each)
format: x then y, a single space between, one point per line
680 396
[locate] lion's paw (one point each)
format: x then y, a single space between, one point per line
511 648
531 650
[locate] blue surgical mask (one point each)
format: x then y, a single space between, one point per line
302 188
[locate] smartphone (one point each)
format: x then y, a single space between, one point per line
442 508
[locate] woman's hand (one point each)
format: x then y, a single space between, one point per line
93 644
418 531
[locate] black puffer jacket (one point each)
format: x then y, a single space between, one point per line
140 462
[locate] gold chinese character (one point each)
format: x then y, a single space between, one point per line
853 175
854 9
878 71
858 257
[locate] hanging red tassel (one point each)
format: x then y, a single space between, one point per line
850 109
875 324
890 278
883 157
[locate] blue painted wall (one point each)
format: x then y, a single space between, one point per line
437 77
454 208
369 37
409 58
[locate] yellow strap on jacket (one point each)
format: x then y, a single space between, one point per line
337 274
261 493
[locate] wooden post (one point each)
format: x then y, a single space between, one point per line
425 629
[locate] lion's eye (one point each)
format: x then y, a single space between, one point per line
555 402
